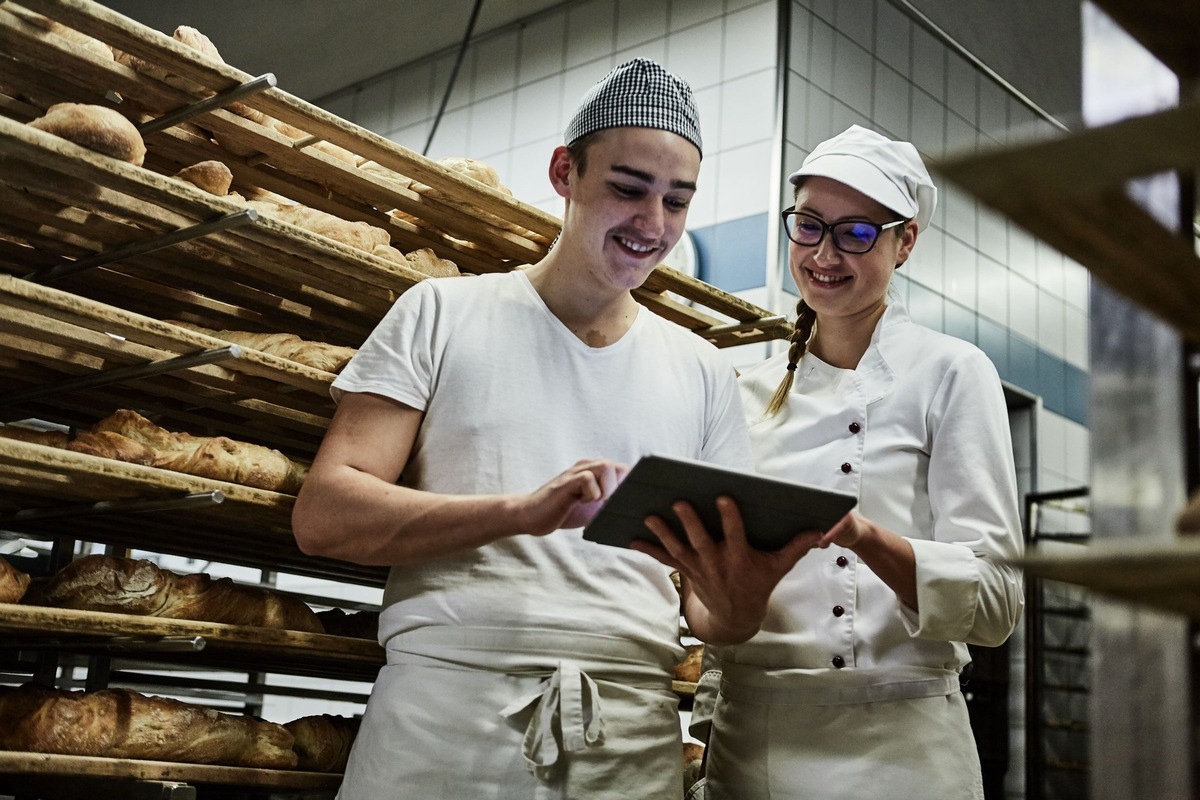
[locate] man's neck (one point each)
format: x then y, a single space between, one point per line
598 315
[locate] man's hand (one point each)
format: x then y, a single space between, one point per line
571 498
726 584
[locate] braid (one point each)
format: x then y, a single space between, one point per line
806 319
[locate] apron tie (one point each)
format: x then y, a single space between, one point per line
570 698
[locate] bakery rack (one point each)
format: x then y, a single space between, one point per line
98 258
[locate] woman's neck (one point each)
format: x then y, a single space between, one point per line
842 341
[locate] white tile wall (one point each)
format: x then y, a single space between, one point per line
747 111
737 196
1052 319
639 22
750 41
690 54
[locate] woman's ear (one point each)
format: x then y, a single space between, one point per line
561 165
908 239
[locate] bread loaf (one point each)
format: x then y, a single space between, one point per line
47 438
107 444
73 37
323 741
428 262
361 235
13 582
693 760
318 355
359 625
142 588
214 457
96 128
688 670
118 723
211 176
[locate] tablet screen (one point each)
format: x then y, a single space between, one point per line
774 510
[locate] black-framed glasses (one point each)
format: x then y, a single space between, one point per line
851 236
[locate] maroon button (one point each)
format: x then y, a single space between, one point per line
842 561
855 427
839 662
838 611
846 467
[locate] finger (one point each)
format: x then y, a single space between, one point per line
697 534
670 540
655 552
731 521
798 547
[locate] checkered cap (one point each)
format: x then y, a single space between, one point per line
638 94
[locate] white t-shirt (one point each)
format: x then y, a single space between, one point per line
512 398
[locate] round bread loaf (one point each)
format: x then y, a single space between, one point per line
96 128
211 176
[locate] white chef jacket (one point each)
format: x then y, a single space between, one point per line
918 432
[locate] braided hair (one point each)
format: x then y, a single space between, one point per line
806 320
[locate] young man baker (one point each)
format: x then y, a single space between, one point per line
523 661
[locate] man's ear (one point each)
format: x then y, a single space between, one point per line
561 165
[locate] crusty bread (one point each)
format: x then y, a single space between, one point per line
97 128
357 625
211 176
328 148
214 457
318 355
70 35
142 588
428 262
391 176
13 582
107 444
47 438
118 723
361 235
323 741
689 669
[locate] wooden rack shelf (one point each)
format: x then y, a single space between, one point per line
1162 575
269 275
50 337
46 765
225 646
1069 192
251 527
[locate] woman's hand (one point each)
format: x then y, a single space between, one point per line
727 584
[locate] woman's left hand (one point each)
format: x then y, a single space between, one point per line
727 583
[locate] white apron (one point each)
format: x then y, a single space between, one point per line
777 736
517 715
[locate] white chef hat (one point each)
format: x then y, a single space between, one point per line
889 172
638 94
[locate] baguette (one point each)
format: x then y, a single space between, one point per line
323 741
141 587
118 723
318 355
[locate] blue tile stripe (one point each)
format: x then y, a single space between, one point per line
732 256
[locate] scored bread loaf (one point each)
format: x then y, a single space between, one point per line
323 741
118 723
428 262
97 128
107 444
215 457
141 587
318 355
13 582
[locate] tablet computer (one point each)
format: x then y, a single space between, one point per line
774 510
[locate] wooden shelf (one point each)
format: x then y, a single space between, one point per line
225 646
251 527
1167 28
50 337
1068 191
45 764
1162 575
268 275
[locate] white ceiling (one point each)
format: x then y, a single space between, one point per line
315 47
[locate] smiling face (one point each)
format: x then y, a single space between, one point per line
845 286
627 208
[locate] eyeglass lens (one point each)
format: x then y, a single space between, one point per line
850 236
